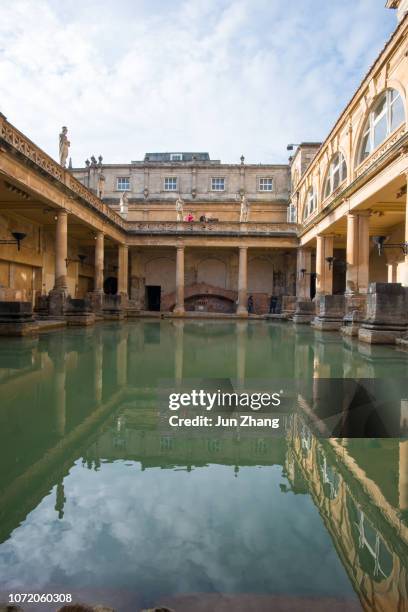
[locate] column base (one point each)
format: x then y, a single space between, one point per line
304 312
242 312
179 311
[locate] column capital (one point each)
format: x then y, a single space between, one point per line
359 213
61 212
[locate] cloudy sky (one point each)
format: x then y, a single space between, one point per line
224 76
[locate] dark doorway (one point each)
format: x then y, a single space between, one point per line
110 286
153 293
312 285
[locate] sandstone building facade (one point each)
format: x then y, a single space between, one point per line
329 223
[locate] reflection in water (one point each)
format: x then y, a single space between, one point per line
99 500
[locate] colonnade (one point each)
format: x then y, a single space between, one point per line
61 259
356 262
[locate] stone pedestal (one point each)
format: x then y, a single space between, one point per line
79 312
16 319
57 303
41 308
113 308
355 308
96 299
330 312
387 314
305 312
289 305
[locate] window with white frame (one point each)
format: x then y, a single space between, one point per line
123 183
170 183
265 184
217 183
310 203
336 174
291 213
387 114
176 157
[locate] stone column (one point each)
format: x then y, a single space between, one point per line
137 284
324 272
242 308
304 262
179 307
357 258
99 252
123 270
61 251
357 252
403 266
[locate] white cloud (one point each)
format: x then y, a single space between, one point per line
227 76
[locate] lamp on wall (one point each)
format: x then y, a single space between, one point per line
333 260
379 242
18 237
304 272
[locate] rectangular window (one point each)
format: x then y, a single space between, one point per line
176 157
217 184
170 183
123 183
265 184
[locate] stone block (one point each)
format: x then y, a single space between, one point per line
330 312
16 319
57 301
386 314
113 308
304 312
96 299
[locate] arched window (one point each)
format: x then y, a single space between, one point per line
336 174
310 203
386 115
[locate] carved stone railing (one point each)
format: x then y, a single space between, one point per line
371 159
22 144
217 228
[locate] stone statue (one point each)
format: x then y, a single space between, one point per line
123 204
64 145
244 216
179 208
101 185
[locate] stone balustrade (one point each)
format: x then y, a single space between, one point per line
24 146
217 228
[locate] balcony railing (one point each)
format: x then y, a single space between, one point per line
215 228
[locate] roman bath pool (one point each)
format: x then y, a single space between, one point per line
101 499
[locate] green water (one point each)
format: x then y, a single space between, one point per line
99 500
